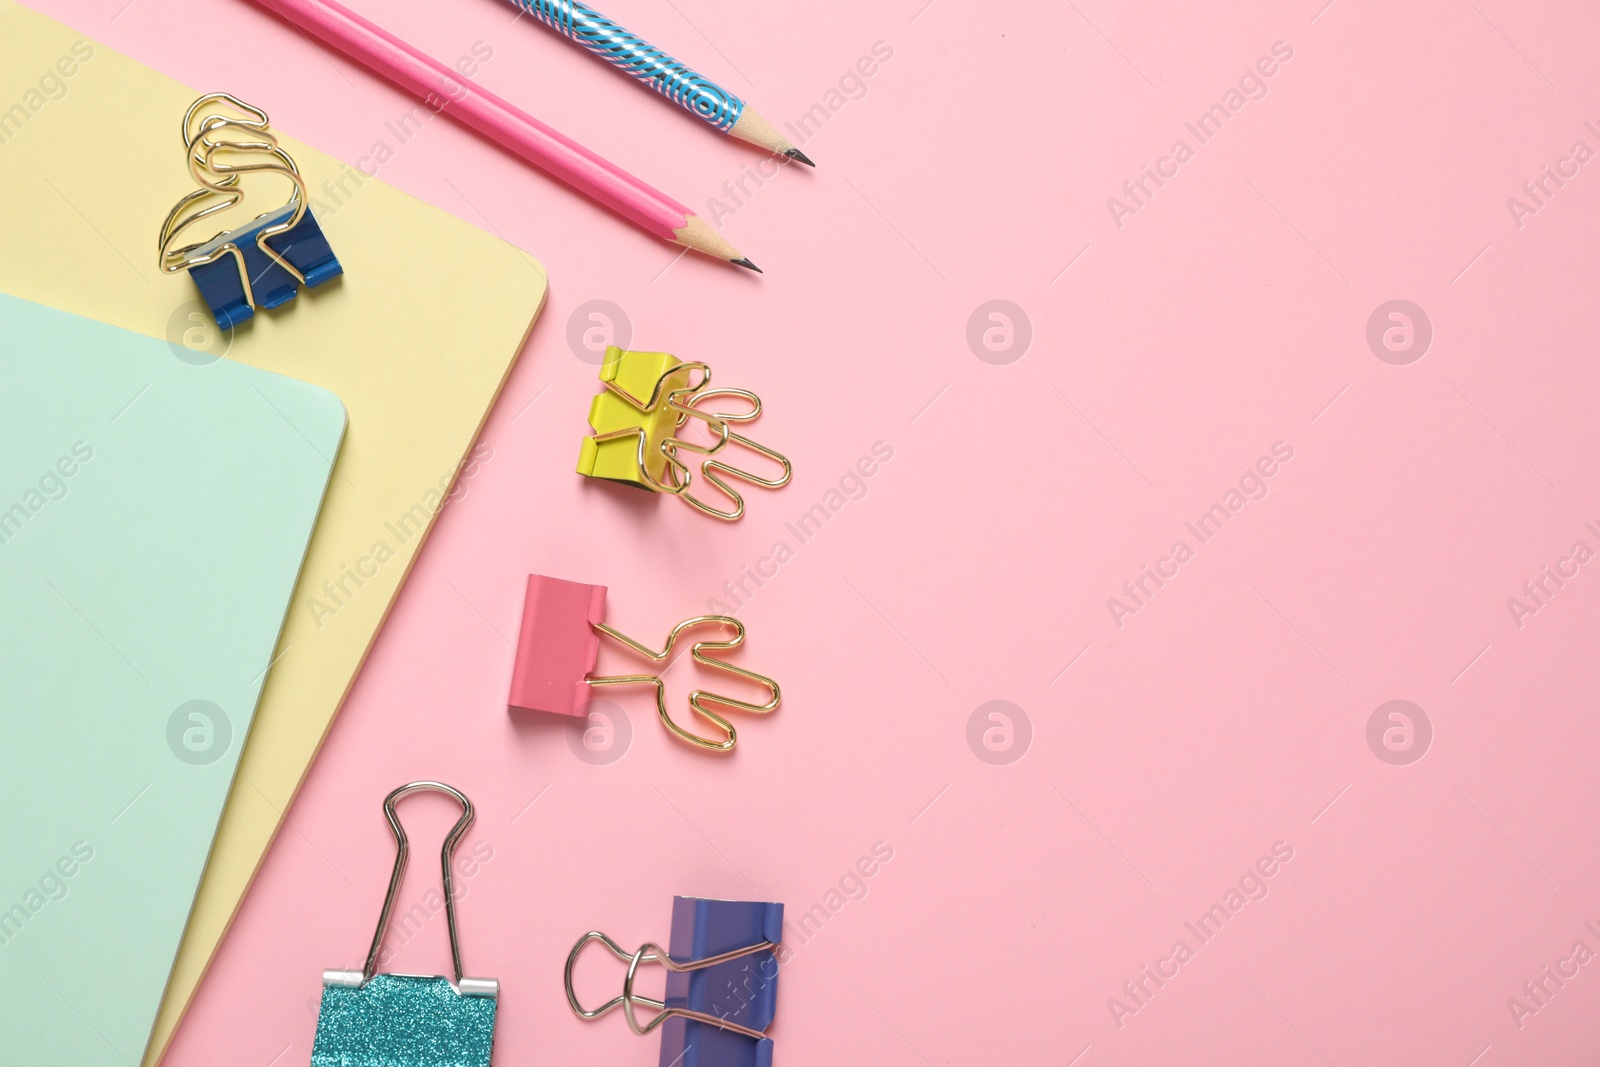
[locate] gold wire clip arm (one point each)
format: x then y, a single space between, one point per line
700 701
219 182
650 952
227 141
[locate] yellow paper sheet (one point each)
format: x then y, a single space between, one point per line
417 338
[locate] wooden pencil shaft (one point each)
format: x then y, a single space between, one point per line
483 111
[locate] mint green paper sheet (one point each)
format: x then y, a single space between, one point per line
154 513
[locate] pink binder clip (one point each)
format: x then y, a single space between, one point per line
558 648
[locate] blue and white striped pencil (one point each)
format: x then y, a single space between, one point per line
633 55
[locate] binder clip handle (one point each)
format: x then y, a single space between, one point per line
701 702
715 466
402 851
650 952
254 118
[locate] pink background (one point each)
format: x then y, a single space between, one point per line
1168 354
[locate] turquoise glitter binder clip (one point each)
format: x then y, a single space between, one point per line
406 1020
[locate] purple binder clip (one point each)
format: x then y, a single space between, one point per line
722 983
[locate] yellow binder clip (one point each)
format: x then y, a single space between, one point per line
647 403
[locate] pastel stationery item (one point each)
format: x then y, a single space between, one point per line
417 357
154 515
639 418
369 1019
559 620
631 54
558 648
264 262
512 128
722 983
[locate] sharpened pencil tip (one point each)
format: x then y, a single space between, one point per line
795 153
747 265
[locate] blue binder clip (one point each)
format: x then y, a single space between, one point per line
264 262
404 1020
722 983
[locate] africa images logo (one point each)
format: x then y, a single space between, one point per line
51 486
50 887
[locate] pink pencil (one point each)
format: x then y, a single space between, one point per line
557 155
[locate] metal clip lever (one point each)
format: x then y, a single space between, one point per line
402 1020
651 952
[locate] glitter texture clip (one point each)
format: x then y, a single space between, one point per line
403 1020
